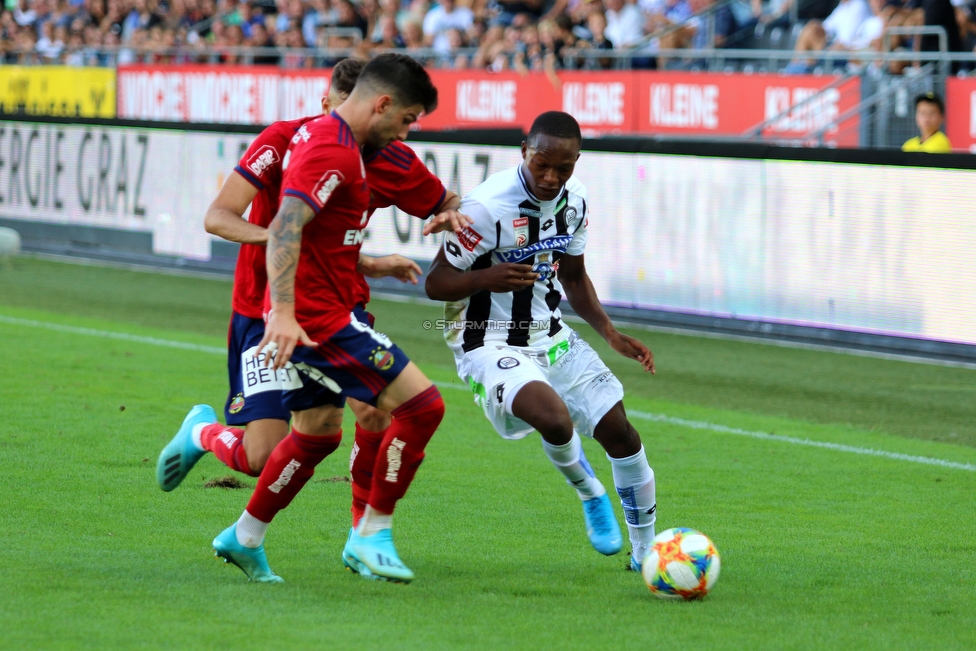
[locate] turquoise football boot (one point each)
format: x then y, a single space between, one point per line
347 557
179 456
601 525
252 561
634 566
375 557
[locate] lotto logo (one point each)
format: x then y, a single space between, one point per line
327 185
262 159
469 238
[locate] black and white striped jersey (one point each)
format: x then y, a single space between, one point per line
511 225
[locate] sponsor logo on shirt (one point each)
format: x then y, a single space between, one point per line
521 228
529 212
302 134
262 159
469 238
327 185
557 243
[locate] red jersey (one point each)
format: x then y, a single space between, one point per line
261 167
397 177
325 170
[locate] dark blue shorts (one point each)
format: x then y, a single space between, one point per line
255 392
356 362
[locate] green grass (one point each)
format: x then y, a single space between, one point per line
820 548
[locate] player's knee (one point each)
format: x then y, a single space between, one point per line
616 434
373 419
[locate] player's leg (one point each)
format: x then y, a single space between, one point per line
516 396
316 433
417 410
594 397
633 478
538 404
254 401
371 426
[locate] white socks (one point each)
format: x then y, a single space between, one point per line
195 434
250 531
373 522
570 460
634 480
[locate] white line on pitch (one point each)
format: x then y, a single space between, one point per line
106 334
660 418
724 429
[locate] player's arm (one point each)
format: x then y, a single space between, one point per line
447 217
224 217
446 282
583 299
393 266
282 331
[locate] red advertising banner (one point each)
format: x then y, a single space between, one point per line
603 102
961 113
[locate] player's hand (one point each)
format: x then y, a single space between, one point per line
281 334
633 349
395 266
447 220
507 277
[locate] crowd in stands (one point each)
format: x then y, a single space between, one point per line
482 34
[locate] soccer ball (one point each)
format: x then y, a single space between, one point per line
681 564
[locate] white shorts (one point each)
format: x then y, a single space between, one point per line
578 375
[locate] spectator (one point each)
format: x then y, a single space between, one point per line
929 114
836 32
413 35
443 18
24 14
624 23
506 10
348 17
48 45
596 25
389 36
319 15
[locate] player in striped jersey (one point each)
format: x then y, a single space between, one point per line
503 278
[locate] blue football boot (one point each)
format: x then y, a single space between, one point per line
252 561
179 456
601 525
375 557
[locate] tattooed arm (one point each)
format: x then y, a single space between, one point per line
284 247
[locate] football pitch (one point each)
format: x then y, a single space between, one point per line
838 489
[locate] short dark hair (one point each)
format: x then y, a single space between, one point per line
931 98
555 124
345 73
405 80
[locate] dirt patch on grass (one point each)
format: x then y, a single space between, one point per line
225 482
335 480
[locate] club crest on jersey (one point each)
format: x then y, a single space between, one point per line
544 266
236 404
382 359
262 159
327 185
469 238
521 228
556 243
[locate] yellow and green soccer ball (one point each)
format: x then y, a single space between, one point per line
681 564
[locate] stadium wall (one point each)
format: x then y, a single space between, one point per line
850 248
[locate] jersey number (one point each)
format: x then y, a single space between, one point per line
381 339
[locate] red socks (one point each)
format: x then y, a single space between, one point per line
290 466
402 449
227 444
361 468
